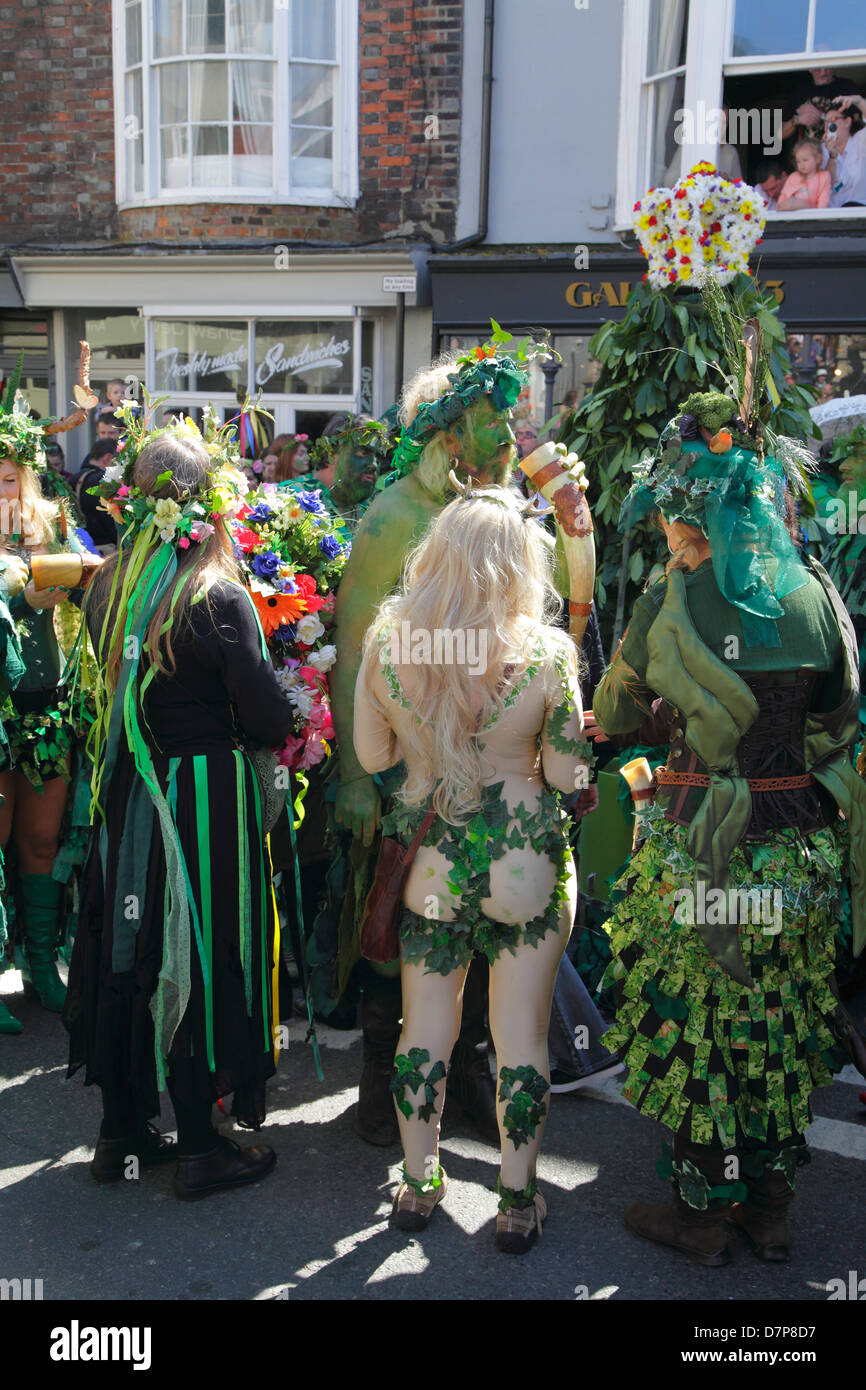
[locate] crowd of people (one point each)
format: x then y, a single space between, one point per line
448 815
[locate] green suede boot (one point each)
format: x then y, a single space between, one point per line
8 1022
40 899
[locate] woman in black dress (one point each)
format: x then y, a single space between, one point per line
170 979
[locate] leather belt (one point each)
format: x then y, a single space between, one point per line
756 784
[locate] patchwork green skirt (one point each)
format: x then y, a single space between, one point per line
706 1057
39 740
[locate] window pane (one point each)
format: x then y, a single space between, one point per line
315 357
253 91
314 29
252 162
839 24
113 338
312 99
200 356
206 26
172 94
773 26
666 157
175 163
209 91
134 134
167 28
133 35
668 31
210 156
251 26
311 159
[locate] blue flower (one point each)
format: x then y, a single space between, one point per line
330 547
311 501
261 513
267 565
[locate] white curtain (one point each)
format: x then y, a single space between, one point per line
670 18
314 29
251 26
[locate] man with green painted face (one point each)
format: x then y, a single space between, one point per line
454 417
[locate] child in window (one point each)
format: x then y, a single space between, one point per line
809 187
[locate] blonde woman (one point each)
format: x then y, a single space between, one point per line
465 679
34 770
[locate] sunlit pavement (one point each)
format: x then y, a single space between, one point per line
318 1228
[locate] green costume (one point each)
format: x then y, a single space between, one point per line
723 927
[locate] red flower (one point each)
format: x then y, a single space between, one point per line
680 193
685 260
652 221
245 538
672 275
715 226
306 587
670 254
636 207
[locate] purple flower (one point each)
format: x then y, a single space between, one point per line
261 513
330 547
311 501
266 565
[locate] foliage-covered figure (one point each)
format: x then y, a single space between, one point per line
723 934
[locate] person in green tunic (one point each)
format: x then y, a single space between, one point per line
723 932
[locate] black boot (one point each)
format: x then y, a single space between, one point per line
471 1087
381 1013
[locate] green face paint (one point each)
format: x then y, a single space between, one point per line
486 445
355 474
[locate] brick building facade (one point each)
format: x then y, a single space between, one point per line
87 256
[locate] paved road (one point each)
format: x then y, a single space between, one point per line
317 1229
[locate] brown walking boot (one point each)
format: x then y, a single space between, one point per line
763 1218
702 1235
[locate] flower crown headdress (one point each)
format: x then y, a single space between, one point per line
370 435
478 374
192 516
21 436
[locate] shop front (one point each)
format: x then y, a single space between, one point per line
309 341
819 283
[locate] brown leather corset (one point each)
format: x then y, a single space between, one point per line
772 748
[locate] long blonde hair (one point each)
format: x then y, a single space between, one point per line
202 564
483 566
39 514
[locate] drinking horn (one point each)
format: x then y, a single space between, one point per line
561 480
85 400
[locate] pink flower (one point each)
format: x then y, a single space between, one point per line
200 530
313 753
257 465
122 491
287 754
184 543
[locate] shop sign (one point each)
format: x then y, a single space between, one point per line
313 356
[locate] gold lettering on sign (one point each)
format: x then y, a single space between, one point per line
777 287
581 295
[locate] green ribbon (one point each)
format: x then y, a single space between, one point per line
298 806
244 915
202 825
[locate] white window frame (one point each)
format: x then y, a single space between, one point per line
346 187
309 401
710 32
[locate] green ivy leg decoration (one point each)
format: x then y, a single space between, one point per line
694 1187
516 1197
526 1108
426 1184
786 1161
407 1072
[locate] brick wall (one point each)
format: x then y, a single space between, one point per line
57 114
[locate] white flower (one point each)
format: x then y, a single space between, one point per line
323 659
113 474
309 629
303 700
166 514
289 681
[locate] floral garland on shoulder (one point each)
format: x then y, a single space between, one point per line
292 555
